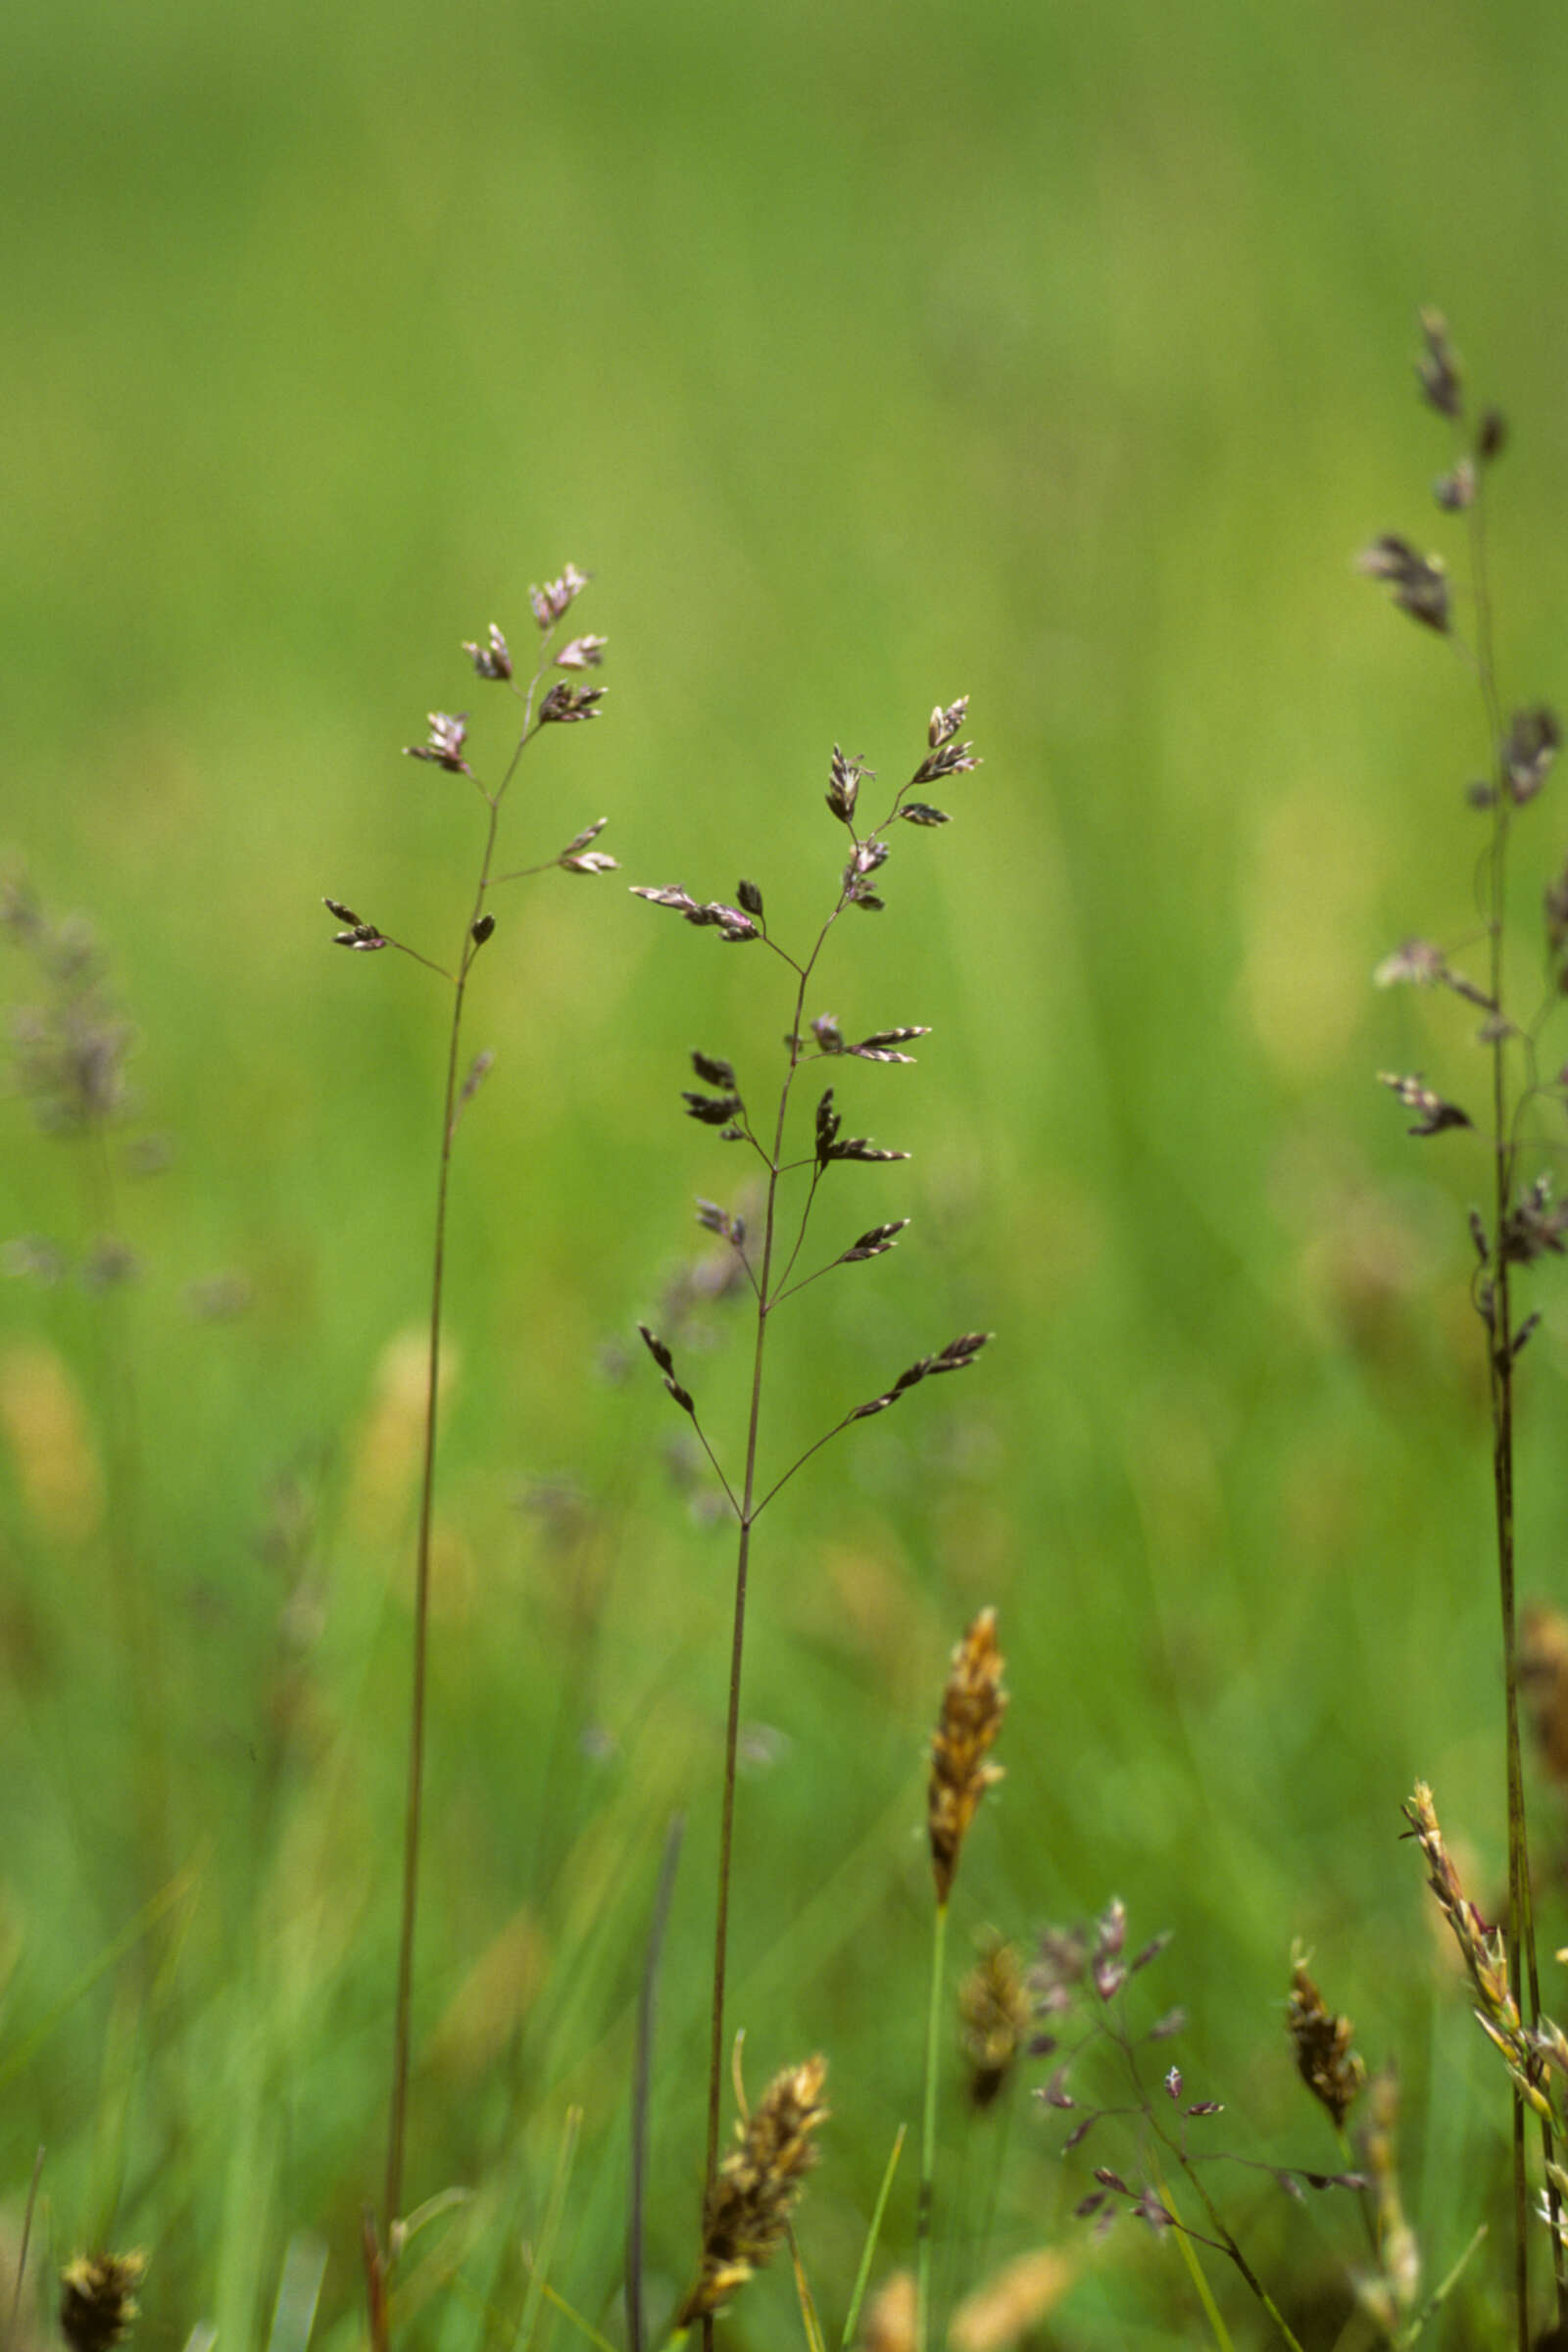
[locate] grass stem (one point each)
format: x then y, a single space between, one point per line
928 2132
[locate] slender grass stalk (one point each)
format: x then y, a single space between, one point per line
928 2129
1517 1226
1499 1379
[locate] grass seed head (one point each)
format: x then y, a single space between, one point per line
1332 2072
972 1707
759 2182
98 2299
996 2017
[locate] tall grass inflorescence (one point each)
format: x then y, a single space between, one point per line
1520 1221
794 1168
564 702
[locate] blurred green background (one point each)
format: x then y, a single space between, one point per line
866 356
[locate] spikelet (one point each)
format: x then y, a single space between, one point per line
972 1707
1332 2072
98 2300
749 2204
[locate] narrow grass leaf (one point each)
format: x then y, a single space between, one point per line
299 2291
868 2252
539 2266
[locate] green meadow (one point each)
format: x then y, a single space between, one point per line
866 357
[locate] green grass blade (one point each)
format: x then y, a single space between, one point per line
868 2252
539 2268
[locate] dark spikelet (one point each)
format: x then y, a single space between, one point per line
666 1365
714 1110
449 731
1436 369
1436 1113
827 1128
955 1357
98 2299
843 785
883 1045
714 1070
557 597
973 1704
1332 2072
671 895
565 703
578 858
749 2204
1533 743
583 652
1418 583
876 1242
492 659
944 725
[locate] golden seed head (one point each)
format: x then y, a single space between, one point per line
972 1707
891 2314
1544 1683
758 2184
1010 2304
1388 2292
995 2014
97 2299
1332 2072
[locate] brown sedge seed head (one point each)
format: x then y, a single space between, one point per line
98 2299
973 1704
749 2201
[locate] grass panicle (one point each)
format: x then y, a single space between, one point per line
796 1170
1521 1219
564 702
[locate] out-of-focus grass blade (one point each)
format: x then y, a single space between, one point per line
569 2311
299 2291
868 2254
151 1912
641 2077
539 2266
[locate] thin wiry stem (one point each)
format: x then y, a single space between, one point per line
928 2134
1499 1334
413 1804
766 1300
